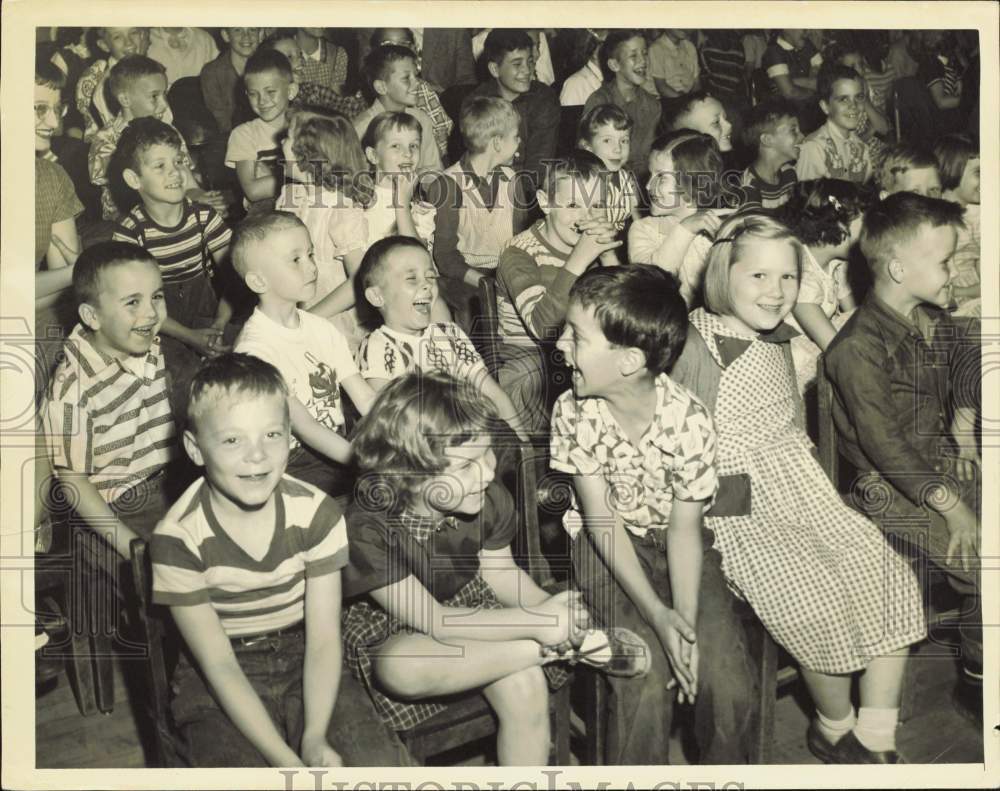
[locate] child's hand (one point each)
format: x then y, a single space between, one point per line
213 198
608 258
318 752
596 237
678 640
207 341
963 546
702 222
569 615
403 185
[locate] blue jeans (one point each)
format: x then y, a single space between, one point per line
273 667
641 710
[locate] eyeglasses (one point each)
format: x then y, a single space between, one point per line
58 110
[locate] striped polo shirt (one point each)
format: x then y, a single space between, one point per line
183 252
196 561
763 195
109 418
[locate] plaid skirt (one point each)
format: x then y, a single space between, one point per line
367 626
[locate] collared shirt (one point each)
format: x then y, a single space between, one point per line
579 85
388 545
109 418
895 390
676 63
675 457
388 354
222 88
326 65
829 153
538 109
643 109
90 97
781 58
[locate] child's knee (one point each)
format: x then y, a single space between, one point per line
523 696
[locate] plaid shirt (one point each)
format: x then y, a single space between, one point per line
421 527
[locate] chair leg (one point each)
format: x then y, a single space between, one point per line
560 710
596 708
763 747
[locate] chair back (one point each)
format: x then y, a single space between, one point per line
826 445
486 325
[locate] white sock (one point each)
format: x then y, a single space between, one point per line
834 730
876 728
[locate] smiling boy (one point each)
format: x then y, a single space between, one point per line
116 43
772 133
391 79
274 254
835 150
624 62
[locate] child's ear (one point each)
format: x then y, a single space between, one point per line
88 315
293 90
225 34
883 194
102 46
192 449
131 178
632 361
613 65
824 105
379 87
585 145
123 100
543 201
895 270
370 155
256 282
374 295
493 69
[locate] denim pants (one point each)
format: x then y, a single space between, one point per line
273 667
641 710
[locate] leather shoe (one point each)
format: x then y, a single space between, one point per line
850 751
819 745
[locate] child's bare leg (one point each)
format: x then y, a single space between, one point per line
414 666
521 703
830 694
881 684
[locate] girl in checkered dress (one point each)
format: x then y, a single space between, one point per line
820 576
437 606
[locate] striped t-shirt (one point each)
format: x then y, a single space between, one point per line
532 289
109 418
183 252
195 561
763 195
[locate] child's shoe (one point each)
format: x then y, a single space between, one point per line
850 751
616 652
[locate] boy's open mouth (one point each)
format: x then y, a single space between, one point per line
145 332
422 305
256 477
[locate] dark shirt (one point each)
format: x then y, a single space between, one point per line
644 110
895 391
724 72
446 196
797 61
539 125
442 554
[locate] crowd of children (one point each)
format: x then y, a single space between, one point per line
280 371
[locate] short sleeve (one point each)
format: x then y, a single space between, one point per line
178 571
376 552
217 232
326 540
377 358
469 363
125 233
241 146
775 62
694 476
347 230
811 163
573 438
340 353
67 427
68 205
811 290
423 220
499 523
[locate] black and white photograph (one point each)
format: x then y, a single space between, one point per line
596 404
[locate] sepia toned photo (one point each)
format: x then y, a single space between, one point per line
404 402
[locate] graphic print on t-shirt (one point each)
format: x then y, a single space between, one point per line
324 402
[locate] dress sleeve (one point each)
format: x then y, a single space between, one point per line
376 552
347 229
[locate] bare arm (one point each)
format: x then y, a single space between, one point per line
942 99
316 435
361 393
513 586
342 297
257 183
321 667
202 631
815 323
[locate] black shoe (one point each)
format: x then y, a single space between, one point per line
819 745
967 699
850 751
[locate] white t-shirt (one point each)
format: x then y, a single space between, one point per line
313 359
381 217
255 140
646 245
197 47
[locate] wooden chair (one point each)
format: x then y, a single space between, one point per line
486 334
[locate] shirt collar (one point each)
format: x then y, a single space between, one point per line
780 41
421 527
897 328
96 362
727 344
317 54
404 336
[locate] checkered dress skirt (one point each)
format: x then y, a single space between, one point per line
366 626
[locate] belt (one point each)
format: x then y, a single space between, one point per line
248 640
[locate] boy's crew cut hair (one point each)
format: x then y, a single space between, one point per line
500 41
139 136
402 440
897 220
254 230
602 115
484 118
765 118
820 211
829 73
733 237
129 70
901 158
231 375
386 122
578 164
953 153
266 59
611 45
370 274
97 259
379 63
638 306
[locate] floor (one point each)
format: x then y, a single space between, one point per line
933 733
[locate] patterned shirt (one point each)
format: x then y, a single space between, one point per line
829 153
532 289
327 66
183 252
109 418
388 353
675 457
676 63
643 109
55 201
90 97
761 195
196 561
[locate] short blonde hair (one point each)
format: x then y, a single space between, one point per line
733 237
484 118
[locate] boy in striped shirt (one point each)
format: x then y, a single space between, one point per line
249 560
772 134
186 239
108 420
